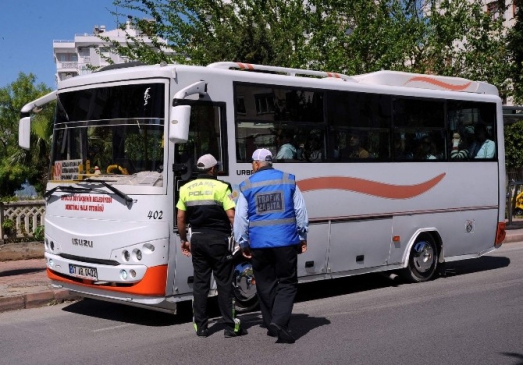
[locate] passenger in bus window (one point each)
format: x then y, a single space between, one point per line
313 151
459 149
400 152
300 151
483 147
356 149
425 150
286 150
206 204
270 225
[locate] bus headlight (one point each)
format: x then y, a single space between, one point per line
123 274
138 255
126 255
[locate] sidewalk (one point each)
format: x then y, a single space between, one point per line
24 282
23 278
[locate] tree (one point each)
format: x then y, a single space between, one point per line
454 38
16 164
515 48
514 145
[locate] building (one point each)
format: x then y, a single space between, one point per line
75 57
494 8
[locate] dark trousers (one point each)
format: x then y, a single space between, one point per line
276 273
210 254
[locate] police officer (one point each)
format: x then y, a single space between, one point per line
271 225
206 204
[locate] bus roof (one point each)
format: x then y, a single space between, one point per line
379 78
421 81
384 78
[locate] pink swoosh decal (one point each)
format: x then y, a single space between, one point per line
369 187
442 84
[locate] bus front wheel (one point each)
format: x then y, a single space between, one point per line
423 260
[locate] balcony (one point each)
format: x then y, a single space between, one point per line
63 45
67 66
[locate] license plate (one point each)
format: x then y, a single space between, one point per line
83 272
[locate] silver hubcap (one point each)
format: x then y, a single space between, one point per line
423 258
244 284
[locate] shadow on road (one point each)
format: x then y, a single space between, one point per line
127 314
515 356
471 266
306 292
21 271
301 323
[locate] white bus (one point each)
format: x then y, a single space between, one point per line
386 187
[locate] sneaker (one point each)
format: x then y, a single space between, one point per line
202 332
229 332
284 335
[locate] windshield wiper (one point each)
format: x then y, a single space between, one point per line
121 194
67 189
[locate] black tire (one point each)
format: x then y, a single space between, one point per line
244 287
518 211
423 260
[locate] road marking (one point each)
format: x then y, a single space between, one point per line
113 327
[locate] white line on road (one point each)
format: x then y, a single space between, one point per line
113 327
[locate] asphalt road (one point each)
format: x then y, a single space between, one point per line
473 315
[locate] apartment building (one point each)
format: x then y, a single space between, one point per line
73 57
495 9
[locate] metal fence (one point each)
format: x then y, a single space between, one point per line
514 174
20 220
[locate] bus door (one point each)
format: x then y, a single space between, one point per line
207 134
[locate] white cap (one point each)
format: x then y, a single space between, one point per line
206 162
262 154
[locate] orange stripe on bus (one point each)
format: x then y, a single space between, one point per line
245 66
152 284
442 84
369 187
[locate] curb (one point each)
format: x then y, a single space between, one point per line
513 238
35 300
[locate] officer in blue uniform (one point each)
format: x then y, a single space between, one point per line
206 204
271 225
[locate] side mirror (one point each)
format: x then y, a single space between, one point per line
24 133
179 125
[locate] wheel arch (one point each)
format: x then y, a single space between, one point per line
434 234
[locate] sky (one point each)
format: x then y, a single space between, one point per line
28 28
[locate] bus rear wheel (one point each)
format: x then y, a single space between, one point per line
423 260
244 288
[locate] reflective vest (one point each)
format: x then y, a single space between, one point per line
272 221
205 200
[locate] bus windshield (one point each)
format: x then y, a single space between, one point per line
115 132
